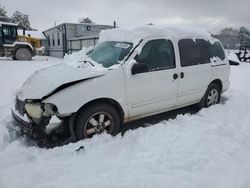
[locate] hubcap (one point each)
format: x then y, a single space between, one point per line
24 54
98 123
213 97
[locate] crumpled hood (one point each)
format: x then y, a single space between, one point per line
43 82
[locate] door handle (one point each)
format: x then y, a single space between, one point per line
182 75
175 76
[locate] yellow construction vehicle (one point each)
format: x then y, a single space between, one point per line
35 43
10 46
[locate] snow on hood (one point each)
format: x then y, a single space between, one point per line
75 67
77 56
81 60
134 35
45 81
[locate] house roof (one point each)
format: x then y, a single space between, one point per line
87 24
8 23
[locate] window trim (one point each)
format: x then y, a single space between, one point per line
218 65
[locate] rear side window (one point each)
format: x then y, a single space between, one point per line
199 51
189 52
216 50
204 50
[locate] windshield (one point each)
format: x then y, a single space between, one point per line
110 52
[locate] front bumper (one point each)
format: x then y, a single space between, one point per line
43 139
26 125
49 132
33 130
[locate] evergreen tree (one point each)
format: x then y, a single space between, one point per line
3 15
21 19
244 36
85 20
234 38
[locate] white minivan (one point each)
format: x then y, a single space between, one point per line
128 75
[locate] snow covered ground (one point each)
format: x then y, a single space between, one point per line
208 149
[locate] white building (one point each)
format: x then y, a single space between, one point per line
69 37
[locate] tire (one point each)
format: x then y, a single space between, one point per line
23 54
211 97
96 119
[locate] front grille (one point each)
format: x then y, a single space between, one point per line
20 106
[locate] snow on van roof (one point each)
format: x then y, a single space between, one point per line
168 31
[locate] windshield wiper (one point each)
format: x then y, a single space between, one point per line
87 61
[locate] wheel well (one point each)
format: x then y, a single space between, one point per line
22 46
218 83
109 101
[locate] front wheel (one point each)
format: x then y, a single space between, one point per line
97 119
23 54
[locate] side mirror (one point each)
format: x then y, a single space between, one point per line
139 68
234 63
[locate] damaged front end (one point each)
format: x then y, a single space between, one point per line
41 121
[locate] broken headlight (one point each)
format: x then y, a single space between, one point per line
37 110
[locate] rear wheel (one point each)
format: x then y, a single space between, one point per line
97 119
23 54
211 97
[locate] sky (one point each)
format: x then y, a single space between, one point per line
212 15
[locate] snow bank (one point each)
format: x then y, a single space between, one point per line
134 35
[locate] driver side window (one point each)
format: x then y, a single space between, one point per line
157 55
